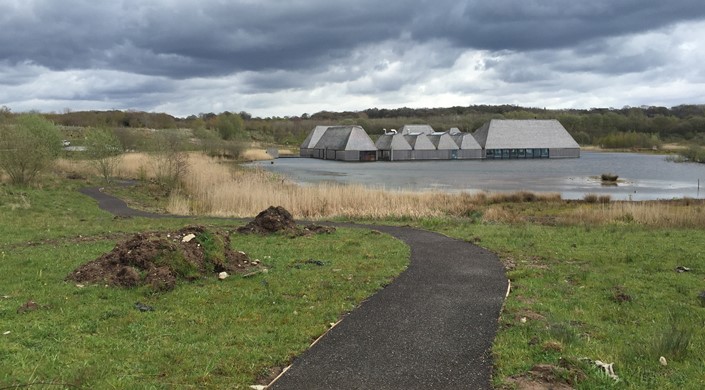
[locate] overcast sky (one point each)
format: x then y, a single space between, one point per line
289 57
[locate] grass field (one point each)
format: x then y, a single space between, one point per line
208 333
609 293
590 280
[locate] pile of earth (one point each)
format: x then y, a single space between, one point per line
159 259
279 220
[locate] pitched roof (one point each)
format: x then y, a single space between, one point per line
313 137
392 141
466 141
413 129
519 134
419 142
443 141
345 138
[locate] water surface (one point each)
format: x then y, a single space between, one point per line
641 176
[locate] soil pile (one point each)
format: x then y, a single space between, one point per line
159 259
279 220
271 220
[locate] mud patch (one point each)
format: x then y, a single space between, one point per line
160 259
279 220
547 376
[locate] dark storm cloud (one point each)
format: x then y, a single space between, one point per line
541 24
180 39
306 55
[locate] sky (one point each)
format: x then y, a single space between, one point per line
290 57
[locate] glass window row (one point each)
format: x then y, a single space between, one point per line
516 153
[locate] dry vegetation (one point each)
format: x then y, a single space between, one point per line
685 213
212 187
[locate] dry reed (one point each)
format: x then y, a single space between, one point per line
255 155
212 188
654 214
215 189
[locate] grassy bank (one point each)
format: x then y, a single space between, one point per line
590 280
207 333
607 292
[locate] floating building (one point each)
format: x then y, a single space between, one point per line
345 143
522 139
314 136
393 147
467 145
496 139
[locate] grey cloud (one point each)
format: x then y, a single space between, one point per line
210 38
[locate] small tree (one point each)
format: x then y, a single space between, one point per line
105 151
229 125
170 161
27 146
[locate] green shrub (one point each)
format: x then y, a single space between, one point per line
27 147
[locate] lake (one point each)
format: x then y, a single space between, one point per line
641 176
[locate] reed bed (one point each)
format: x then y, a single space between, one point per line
655 214
215 189
255 155
73 167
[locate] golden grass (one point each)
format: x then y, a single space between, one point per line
255 155
212 188
215 189
77 167
657 214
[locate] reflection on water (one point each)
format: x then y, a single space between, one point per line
641 176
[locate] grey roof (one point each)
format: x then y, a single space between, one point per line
313 137
419 142
454 131
345 138
519 134
392 141
465 141
412 129
443 141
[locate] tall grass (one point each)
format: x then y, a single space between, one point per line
672 214
215 189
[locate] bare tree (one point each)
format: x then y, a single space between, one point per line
170 160
105 151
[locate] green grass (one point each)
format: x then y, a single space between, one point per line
204 334
572 283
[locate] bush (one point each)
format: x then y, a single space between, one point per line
27 147
170 161
590 198
104 149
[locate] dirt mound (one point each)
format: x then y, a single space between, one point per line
271 220
279 220
159 259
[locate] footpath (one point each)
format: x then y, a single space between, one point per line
431 328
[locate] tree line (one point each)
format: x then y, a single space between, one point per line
608 127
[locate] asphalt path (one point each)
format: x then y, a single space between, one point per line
431 328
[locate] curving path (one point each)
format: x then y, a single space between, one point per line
432 328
